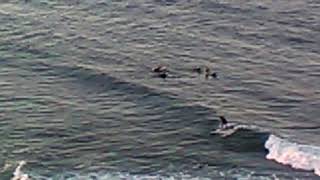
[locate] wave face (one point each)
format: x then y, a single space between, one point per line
293 154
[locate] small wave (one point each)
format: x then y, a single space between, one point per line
296 155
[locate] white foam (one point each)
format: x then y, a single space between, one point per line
18 174
296 155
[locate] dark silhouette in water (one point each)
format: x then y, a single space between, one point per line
224 123
208 73
159 69
214 75
223 120
225 128
197 70
163 75
207 70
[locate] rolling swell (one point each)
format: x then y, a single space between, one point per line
165 135
171 134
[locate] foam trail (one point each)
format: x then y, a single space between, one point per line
296 155
18 174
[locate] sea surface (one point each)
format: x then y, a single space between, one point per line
78 99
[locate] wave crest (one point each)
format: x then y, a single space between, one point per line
296 155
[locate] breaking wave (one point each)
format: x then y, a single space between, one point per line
298 156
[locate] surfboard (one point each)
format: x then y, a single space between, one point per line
224 132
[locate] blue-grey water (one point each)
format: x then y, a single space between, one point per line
78 99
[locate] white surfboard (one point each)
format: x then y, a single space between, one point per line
224 132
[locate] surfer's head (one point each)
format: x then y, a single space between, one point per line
197 70
214 75
163 75
206 69
209 73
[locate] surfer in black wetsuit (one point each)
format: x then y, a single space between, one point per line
208 73
163 75
224 125
225 128
197 70
161 71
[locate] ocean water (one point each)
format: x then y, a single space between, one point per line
78 99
